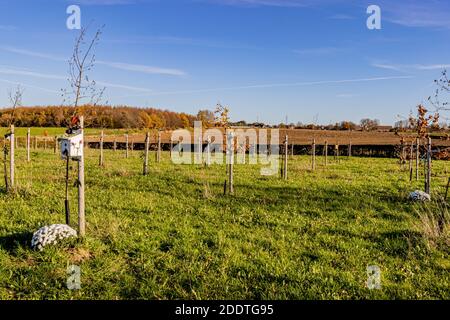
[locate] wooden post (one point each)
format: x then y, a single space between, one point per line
230 147
81 217
101 160
158 154
55 146
292 150
285 175
28 145
417 158
126 145
428 177
11 158
326 153
35 143
147 143
446 189
115 144
313 155
45 143
411 153
171 147
350 149
208 151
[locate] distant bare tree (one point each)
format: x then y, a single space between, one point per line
222 118
15 98
369 124
443 86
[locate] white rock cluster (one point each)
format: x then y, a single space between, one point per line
51 235
419 196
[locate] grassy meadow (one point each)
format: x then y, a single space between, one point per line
174 235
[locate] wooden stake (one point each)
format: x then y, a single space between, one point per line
428 178
55 146
158 154
28 145
101 160
446 189
313 155
126 146
81 216
208 151
115 144
417 158
11 158
230 146
285 174
147 143
350 149
326 153
411 153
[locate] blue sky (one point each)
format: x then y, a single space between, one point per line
266 59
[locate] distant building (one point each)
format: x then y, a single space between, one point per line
384 128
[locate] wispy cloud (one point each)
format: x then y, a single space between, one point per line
432 66
142 68
29 86
27 73
318 51
386 66
116 65
32 53
342 16
273 3
415 13
103 2
7 28
274 85
179 41
346 95
410 67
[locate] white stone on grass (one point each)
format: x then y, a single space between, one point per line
419 196
51 235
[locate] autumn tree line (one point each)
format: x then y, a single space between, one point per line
116 117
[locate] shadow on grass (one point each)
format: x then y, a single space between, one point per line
12 242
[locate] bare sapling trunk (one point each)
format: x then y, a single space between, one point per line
326 153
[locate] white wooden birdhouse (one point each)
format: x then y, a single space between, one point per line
72 146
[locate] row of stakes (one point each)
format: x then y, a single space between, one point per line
415 146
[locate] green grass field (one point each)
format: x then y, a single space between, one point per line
173 234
